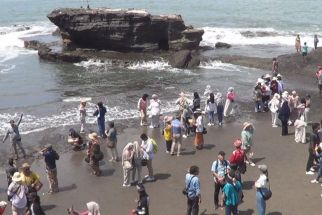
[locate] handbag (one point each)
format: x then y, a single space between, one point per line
127 165
266 192
185 190
204 131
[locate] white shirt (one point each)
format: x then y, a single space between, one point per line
18 193
199 124
155 107
148 146
274 105
261 181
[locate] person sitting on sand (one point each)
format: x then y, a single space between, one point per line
75 139
298 44
92 209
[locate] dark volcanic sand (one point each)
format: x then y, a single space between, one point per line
293 194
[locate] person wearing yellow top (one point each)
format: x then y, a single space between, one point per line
167 133
30 179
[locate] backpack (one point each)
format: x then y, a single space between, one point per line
225 163
155 146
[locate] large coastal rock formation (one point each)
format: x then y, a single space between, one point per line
124 30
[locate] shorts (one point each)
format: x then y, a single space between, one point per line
304 54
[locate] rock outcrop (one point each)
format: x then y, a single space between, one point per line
124 30
220 45
184 59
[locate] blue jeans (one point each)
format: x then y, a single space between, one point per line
101 126
211 116
220 113
231 210
260 203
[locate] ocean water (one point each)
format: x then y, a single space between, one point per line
48 93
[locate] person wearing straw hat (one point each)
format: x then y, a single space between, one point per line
17 193
93 140
247 142
15 137
273 106
100 114
82 115
51 156
155 111
261 183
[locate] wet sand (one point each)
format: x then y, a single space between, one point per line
293 194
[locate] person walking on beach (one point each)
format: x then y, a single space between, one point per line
17 193
155 111
195 102
230 102
200 130
111 135
192 185
142 202
274 66
147 147
127 163
273 106
258 97
220 108
219 169
274 86
82 115
298 44
208 90
316 41
100 114
185 120
177 128
230 197
238 157
318 154
284 113
15 137
247 135
314 142
137 163
300 130
142 107
167 133
308 103
182 102
305 51
280 84
261 185
51 156
320 83
211 109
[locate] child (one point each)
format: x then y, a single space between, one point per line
111 134
167 133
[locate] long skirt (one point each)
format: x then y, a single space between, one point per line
199 140
228 109
300 135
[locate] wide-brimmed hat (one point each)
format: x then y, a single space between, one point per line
262 168
154 96
93 136
274 79
208 87
260 81
246 125
16 177
237 143
25 165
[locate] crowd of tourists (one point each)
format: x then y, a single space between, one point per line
194 114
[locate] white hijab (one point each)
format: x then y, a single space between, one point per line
93 208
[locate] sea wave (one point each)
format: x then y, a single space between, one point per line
216 64
70 117
253 36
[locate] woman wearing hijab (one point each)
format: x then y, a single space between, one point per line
230 100
273 106
127 163
300 130
155 111
92 209
211 109
142 107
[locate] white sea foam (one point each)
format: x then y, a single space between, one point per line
77 99
252 36
92 63
216 64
